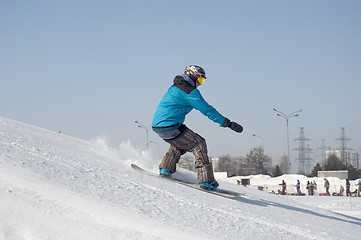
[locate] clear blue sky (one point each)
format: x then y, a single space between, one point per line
90 68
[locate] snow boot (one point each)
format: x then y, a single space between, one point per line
210 186
164 173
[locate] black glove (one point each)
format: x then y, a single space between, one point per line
232 125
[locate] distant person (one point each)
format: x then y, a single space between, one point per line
298 187
311 188
359 188
327 186
342 189
315 192
168 122
284 186
308 187
348 192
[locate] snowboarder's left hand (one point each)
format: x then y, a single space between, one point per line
232 125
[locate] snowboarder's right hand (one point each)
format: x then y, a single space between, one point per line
232 125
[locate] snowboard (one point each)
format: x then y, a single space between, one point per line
218 191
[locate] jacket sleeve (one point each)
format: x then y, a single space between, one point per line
196 101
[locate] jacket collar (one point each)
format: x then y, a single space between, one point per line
188 79
180 81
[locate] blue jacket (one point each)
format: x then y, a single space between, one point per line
178 101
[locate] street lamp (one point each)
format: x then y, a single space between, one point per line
254 135
260 156
281 114
140 125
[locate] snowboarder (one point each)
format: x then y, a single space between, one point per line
168 121
359 188
327 186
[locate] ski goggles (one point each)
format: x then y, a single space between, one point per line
201 79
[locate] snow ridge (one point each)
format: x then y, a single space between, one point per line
53 186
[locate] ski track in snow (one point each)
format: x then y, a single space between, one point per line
54 186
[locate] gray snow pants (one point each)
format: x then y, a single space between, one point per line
189 141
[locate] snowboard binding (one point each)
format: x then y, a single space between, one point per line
210 186
164 173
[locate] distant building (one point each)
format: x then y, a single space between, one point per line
351 157
342 174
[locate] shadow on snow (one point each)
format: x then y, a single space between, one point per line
266 203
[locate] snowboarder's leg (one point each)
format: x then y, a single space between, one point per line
171 159
193 142
202 163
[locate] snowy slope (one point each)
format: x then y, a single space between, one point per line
54 186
